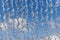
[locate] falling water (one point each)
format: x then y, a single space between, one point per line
29 20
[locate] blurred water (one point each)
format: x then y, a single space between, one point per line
29 20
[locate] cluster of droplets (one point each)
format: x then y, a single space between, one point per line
21 21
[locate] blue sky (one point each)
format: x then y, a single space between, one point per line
17 14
